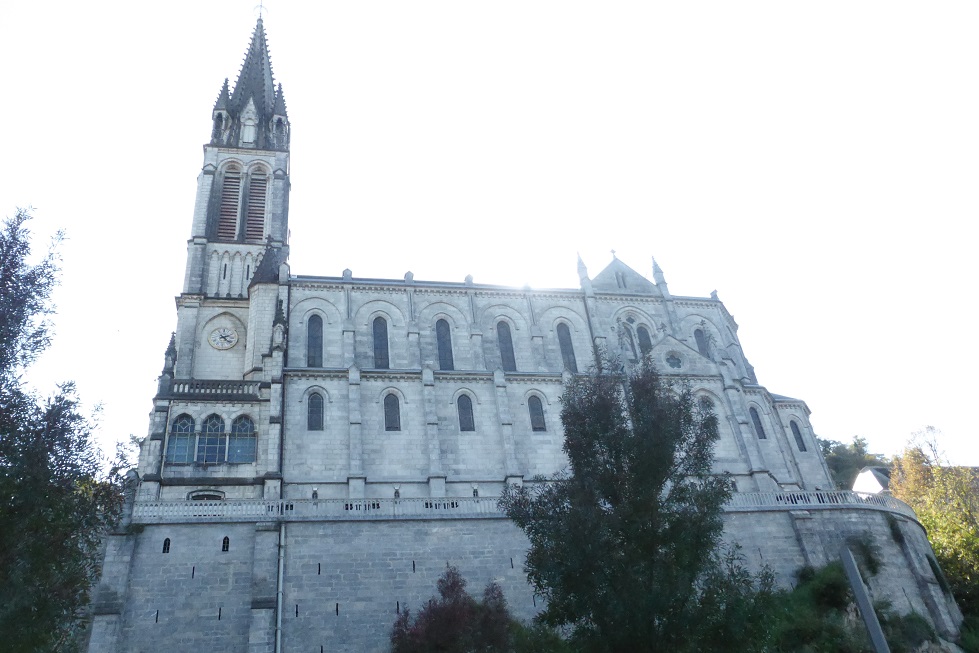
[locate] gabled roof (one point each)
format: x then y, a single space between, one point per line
619 277
255 78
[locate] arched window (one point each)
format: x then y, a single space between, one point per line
211 443
166 545
180 446
242 441
392 412
536 409
630 344
443 338
756 421
258 184
314 412
466 421
645 342
705 405
506 346
797 434
314 341
228 209
701 339
381 360
225 544
567 349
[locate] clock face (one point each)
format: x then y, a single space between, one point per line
223 338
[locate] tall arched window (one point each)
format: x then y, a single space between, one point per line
392 413
258 184
314 412
506 346
314 341
702 345
645 342
536 409
443 338
756 421
381 360
242 443
180 446
797 434
465 406
166 545
211 443
230 200
225 545
567 349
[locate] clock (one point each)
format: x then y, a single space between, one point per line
223 338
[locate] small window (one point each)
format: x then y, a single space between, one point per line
180 446
225 545
392 413
443 337
211 443
567 349
314 341
701 339
242 443
381 360
756 421
506 347
797 434
466 421
314 412
166 545
536 409
645 342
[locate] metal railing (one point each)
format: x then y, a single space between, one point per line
162 512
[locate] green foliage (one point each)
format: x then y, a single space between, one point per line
55 501
624 547
866 552
846 460
969 637
896 533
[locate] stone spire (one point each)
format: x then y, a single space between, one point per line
255 79
660 278
224 97
280 103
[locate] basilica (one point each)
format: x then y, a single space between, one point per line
321 447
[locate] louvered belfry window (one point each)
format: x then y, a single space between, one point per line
258 185
228 211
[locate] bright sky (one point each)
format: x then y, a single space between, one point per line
815 163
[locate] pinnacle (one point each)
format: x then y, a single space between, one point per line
255 78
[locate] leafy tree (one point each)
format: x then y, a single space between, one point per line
55 500
846 460
624 546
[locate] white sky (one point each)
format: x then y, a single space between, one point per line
816 163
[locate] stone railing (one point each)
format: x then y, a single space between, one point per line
163 512
198 389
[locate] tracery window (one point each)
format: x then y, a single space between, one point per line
567 349
314 412
314 341
756 421
180 446
242 441
702 345
392 412
797 434
381 360
506 347
211 444
443 338
645 342
465 407
536 409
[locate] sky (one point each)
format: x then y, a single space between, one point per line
815 163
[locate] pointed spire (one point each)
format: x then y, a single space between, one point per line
660 278
255 78
224 97
280 103
582 270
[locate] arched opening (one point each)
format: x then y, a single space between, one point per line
797 434
242 443
166 545
507 359
465 406
536 409
702 345
443 338
314 412
314 341
756 421
180 446
230 199
645 342
225 545
392 413
381 360
258 184
211 443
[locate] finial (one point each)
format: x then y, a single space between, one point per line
260 7
613 253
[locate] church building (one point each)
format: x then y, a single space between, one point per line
321 447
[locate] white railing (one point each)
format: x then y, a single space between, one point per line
203 388
157 512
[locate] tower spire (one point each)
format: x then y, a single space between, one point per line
255 79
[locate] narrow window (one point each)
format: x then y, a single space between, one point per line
392 413
228 210
443 337
314 341
466 421
180 447
211 443
314 412
797 434
258 184
759 431
536 414
567 349
166 545
701 339
381 361
645 342
225 545
506 346
242 441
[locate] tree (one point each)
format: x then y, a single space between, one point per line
846 460
56 503
624 546
946 500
